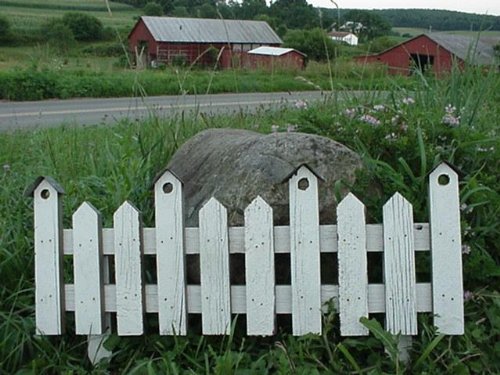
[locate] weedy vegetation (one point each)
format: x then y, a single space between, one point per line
401 134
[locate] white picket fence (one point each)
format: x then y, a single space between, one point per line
400 297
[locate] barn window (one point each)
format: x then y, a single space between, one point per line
421 62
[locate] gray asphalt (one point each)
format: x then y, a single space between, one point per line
79 112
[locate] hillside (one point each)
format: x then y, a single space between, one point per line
26 16
438 20
442 20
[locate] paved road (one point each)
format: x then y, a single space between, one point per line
47 113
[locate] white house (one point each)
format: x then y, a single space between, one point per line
344 36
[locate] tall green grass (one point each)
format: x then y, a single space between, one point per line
107 165
38 82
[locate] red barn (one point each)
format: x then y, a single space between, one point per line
197 40
275 57
436 52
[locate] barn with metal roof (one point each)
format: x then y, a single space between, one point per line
271 58
436 52
196 40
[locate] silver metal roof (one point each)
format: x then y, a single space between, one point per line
466 48
271 51
200 30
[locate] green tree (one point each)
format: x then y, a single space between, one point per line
166 5
249 9
373 25
5 30
84 26
315 43
152 9
206 10
295 14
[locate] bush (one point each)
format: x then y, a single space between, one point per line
104 50
85 27
314 43
58 34
382 43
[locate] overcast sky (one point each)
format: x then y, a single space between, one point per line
491 7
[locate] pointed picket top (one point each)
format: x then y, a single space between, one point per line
258 204
444 175
42 182
301 171
396 197
213 203
445 166
164 178
350 200
86 209
127 206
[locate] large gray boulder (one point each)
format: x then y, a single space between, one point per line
237 165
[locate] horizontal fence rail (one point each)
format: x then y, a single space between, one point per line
400 297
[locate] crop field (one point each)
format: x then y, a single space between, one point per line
29 15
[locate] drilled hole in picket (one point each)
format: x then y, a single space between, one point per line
303 184
45 194
443 179
168 188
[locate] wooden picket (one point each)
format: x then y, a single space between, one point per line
400 297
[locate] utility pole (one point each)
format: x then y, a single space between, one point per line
338 14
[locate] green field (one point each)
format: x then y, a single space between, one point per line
29 15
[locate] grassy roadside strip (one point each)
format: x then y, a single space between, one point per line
36 84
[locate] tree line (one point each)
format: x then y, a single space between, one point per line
282 15
298 14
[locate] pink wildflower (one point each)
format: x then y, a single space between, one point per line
369 119
450 118
468 295
465 249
